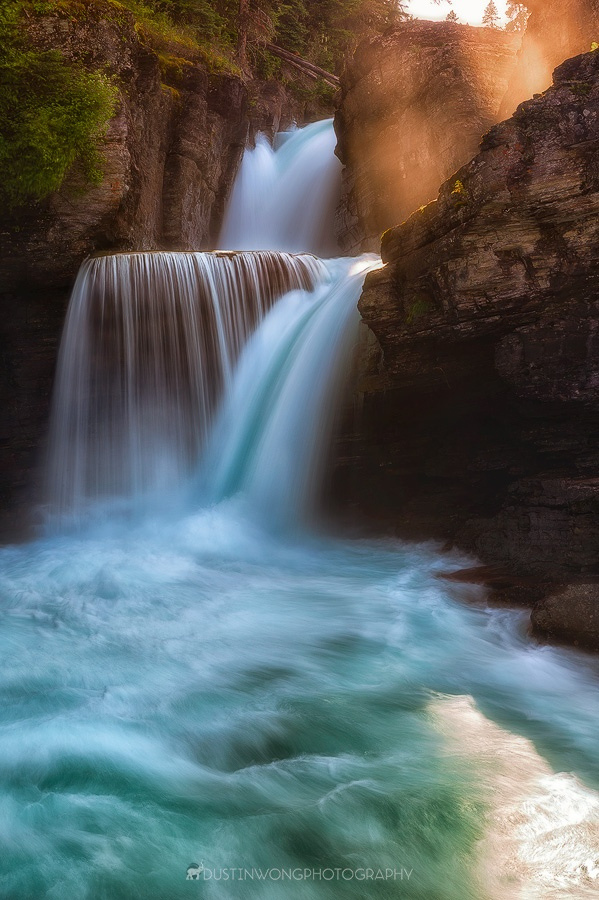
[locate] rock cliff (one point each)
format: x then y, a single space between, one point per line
479 372
414 104
556 30
168 156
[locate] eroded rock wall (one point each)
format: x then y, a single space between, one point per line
556 30
414 104
170 153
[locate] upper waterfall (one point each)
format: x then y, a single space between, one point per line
285 198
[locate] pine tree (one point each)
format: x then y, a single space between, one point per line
451 16
491 15
517 14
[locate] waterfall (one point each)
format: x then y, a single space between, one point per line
152 341
271 438
149 347
212 695
285 198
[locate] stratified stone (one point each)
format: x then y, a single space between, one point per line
479 410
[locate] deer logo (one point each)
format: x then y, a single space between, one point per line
194 871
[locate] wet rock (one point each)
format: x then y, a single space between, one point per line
570 616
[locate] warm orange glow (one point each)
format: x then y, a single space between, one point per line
420 114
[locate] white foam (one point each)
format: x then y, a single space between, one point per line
542 837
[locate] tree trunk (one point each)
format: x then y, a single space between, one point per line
302 64
243 20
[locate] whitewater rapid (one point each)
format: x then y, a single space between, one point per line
210 697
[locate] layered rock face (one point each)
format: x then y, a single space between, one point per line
479 374
169 154
414 104
556 30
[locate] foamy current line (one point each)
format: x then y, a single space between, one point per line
541 837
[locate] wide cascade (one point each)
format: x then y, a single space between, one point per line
149 347
214 698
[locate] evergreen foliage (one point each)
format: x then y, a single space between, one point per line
491 15
517 14
51 114
323 31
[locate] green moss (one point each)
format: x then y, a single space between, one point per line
217 62
580 89
170 40
420 306
172 68
175 94
52 113
159 31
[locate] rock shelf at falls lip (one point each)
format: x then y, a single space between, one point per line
220 682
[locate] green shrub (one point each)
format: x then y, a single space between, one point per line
459 195
52 113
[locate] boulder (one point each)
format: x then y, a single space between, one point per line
570 616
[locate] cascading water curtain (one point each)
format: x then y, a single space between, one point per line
149 347
285 198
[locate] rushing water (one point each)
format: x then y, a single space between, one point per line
215 684
149 346
284 199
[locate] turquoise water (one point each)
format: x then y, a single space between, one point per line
200 691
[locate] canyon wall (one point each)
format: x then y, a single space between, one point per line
414 104
556 30
478 386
